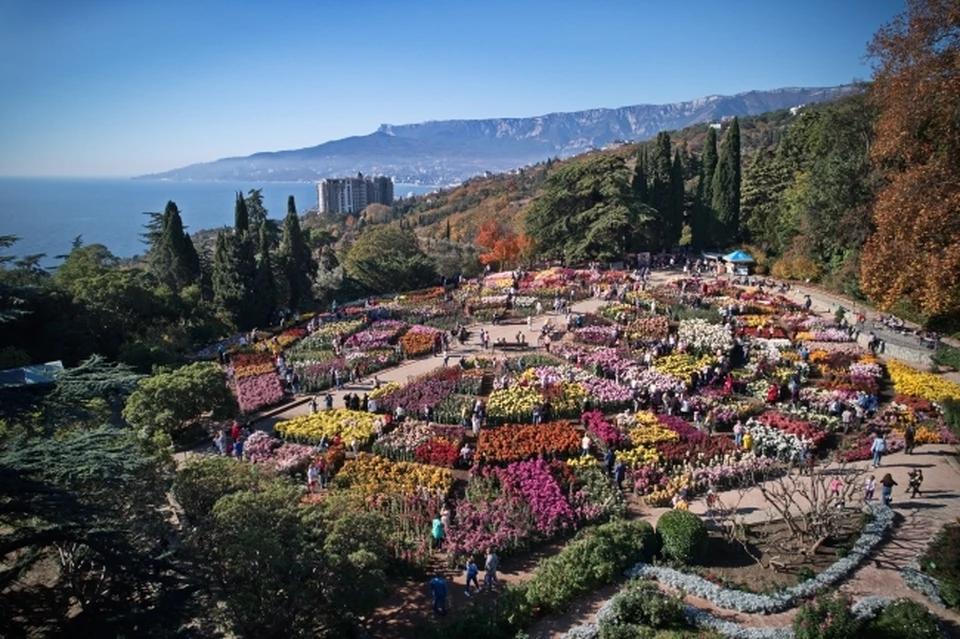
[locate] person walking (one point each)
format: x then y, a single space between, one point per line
886 489
608 459
437 532
878 448
438 586
619 474
738 433
909 439
585 446
835 486
869 487
472 572
490 566
916 479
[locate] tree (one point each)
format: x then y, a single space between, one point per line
725 189
172 257
264 284
234 270
666 228
589 210
256 211
297 262
704 217
202 481
385 258
92 503
639 183
914 254
169 400
241 217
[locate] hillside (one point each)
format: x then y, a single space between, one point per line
450 151
503 197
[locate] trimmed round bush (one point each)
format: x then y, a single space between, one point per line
684 536
905 619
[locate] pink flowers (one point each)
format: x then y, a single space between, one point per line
260 448
537 485
603 430
254 393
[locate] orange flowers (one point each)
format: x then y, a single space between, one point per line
514 442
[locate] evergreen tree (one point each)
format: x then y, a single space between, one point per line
241 217
172 259
661 193
726 187
256 211
639 183
298 264
703 221
264 285
234 270
677 193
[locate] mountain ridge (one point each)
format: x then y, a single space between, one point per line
451 151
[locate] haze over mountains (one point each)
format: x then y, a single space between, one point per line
451 151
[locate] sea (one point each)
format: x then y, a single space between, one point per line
47 214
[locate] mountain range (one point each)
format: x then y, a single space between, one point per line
450 151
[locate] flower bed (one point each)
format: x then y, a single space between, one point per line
604 432
596 335
514 442
701 336
260 391
372 475
419 340
907 381
260 448
402 443
648 328
872 534
348 424
327 334
380 334
251 364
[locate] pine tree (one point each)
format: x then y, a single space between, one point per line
264 299
726 187
241 217
298 264
256 211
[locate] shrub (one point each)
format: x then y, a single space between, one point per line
200 482
684 536
904 619
947 356
942 560
826 617
596 557
643 603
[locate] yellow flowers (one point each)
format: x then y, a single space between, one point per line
637 456
349 424
681 365
517 400
907 381
585 461
386 389
371 475
663 497
650 435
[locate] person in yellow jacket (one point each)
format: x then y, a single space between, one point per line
748 441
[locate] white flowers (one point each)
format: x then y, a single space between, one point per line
701 335
771 442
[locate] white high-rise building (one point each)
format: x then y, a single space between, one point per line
352 195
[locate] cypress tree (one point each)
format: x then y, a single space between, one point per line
661 192
298 264
639 183
172 259
264 299
726 187
234 272
703 221
676 194
241 218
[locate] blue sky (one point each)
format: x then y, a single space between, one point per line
124 87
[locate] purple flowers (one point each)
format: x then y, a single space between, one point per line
603 430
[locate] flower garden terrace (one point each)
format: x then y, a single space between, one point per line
660 377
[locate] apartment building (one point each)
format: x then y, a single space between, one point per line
352 195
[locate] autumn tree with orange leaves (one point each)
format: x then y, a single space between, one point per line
914 254
504 248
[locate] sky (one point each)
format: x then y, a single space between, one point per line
126 87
